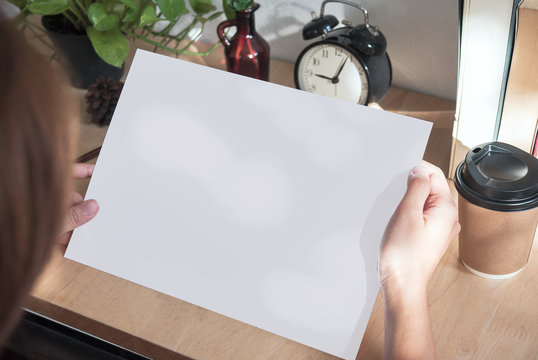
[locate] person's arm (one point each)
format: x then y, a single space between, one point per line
80 211
416 238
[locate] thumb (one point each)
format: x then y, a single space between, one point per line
80 214
418 190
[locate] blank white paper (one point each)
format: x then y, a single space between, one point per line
259 202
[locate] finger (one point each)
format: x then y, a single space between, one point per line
80 214
440 203
439 185
83 171
418 190
76 198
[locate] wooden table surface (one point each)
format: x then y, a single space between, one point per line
472 317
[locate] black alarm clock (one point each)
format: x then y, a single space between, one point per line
350 62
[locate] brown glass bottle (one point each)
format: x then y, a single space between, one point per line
247 53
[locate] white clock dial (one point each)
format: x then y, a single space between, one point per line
331 70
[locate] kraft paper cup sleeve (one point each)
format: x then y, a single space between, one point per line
498 208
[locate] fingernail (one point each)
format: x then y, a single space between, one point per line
419 171
90 207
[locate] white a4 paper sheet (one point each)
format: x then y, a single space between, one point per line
260 202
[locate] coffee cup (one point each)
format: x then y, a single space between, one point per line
497 186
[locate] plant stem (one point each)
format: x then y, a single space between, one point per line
168 41
184 33
72 20
165 31
77 9
84 11
181 34
194 39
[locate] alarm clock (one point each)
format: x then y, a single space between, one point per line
349 62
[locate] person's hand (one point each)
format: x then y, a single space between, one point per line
419 232
80 211
415 239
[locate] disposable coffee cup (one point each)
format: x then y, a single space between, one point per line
497 187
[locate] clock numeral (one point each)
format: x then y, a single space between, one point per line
338 51
315 61
325 53
309 72
312 88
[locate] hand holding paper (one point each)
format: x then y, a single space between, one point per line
421 229
416 238
80 211
274 220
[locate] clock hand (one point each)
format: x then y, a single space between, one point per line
335 77
323 76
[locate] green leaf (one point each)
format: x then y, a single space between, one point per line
202 6
131 15
19 3
172 9
112 46
228 10
97 12
130 4
110 22
101 19
48 7
239 5
149 16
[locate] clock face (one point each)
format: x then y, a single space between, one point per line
331 70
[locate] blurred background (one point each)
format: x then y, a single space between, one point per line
422 36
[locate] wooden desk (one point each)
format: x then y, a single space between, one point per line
472 317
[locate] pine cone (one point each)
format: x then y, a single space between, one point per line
101 99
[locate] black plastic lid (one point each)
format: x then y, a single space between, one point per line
498 176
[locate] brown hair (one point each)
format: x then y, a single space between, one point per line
35 156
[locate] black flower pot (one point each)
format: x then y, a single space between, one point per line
76 54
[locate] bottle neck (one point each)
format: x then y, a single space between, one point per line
246 24
245 20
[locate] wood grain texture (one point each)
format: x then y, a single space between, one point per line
472 317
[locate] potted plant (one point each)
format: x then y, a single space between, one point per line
106 25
